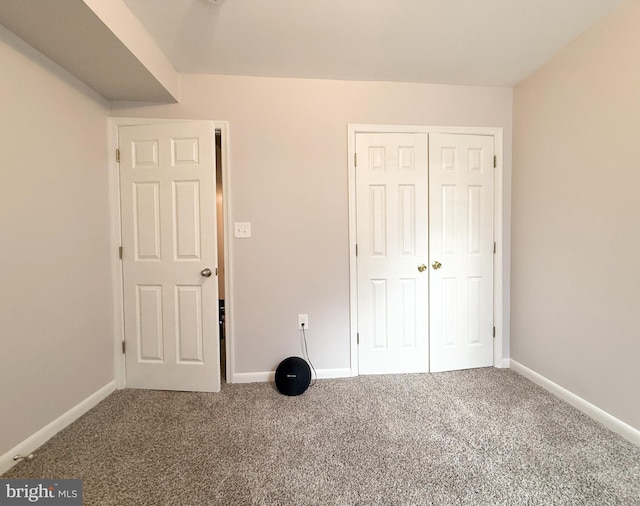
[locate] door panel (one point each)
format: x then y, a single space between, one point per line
461 239
391 200
167 188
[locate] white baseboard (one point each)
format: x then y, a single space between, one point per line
253 377
334 373
36 440
261 377
611 422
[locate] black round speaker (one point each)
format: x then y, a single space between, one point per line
293 376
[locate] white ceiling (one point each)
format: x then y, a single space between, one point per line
480 42
84 40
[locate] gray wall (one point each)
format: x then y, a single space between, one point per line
289 178
576 230
56 344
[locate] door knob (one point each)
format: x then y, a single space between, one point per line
422 268
205 273
436 265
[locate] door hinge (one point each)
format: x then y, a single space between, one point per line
358 338
494 332
494 248
495 161
356 250
117 156
124 347
120 253
355 159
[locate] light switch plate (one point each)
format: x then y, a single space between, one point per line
242 230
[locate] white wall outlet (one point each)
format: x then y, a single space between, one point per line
242 230
303 319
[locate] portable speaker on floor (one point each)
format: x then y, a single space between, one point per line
293 376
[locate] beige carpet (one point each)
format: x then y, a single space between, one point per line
480 437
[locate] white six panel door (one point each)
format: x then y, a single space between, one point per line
391 200
461 240
167 188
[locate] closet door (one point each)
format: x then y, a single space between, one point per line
393 296
461 249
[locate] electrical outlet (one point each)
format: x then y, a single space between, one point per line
303 319
242 230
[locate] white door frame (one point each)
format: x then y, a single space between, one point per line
499 308
113 124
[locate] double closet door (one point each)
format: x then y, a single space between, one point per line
425 249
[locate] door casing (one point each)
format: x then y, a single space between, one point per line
116 241
500 313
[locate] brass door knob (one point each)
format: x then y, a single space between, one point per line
422 268
205 273
436 265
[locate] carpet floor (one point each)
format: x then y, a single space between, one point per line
477 437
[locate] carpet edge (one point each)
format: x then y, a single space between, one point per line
36 440
591 410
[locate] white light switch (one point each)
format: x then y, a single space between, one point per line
242 230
